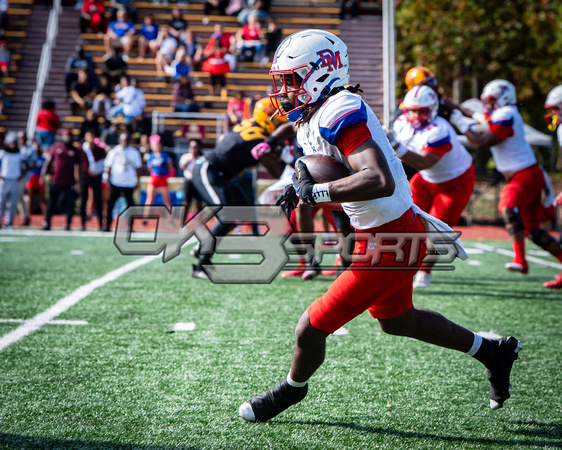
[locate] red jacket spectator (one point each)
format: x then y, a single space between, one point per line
48 120
92 16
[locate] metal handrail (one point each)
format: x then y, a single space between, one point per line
44 68
159 116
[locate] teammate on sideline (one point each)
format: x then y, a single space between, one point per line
310 70
520 202
445 179
553 117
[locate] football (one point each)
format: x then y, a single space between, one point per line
324 168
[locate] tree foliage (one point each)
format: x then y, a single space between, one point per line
517 40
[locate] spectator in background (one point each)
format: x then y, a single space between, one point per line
226 40
166 52
92 170
259 9
11 163
354 9
183 96
35 187
148 37
176 25
3 16
30 156
79 60
219 5
126 5
47 125
161 166
180 66
5 59
187 162
119 32
237 108
217 67
249 41
81 94
103 95
193 48
90 123
109 136
65 162
123 164
92 16
130 101
115 66
273 36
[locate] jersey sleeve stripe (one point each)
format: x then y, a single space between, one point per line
333 132
440 142
501 131
438 150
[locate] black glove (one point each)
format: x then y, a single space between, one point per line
303 183
288 200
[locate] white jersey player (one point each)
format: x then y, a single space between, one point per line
310 71
444 182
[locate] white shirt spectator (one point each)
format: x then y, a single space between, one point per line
11 164
133 99
3 5
168 47
123 163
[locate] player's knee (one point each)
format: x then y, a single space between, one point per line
399 326
541 238
306 335
512 220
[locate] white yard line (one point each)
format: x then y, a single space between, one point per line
52 322
29 326
501 251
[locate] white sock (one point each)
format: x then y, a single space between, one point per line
475 345
295 383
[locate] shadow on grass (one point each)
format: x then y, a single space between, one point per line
553 430
15 441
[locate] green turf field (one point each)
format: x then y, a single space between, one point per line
120 379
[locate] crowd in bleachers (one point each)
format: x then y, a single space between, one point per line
110 104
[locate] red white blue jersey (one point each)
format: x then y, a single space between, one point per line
514 153
440 139
158 164
321 134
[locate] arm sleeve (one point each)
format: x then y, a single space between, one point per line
438 142
352 137
345 112
501 124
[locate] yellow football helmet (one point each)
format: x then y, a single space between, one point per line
265 117
420 76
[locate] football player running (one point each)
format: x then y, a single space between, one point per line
553 117
255 141
445 178
520 201
310 71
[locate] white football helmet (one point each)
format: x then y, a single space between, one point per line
309 63
421 98
553 104
498 93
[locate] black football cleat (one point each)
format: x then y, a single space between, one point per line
272 402
506 351
198 272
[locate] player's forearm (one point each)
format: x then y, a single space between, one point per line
368 184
